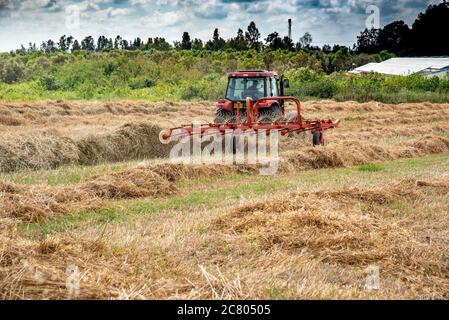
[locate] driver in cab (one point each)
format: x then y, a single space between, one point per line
252 91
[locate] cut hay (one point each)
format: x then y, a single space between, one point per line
334 228
129 142
37 203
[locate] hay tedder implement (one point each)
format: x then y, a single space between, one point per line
253 103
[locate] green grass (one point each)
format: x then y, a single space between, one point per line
63 175
353 118
225 191
122 210
370 167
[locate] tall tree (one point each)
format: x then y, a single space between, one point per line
368 41
117 42
197 44
287 43
238 43
217 43
306 40
69 42
32 47
394 37
110 45
253 36
48 46
161 44
124 44
76 46
88 44
273 41
186 43
137 43
62 43
429 31
102 43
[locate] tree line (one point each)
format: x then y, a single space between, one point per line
426 37
250 39
423 38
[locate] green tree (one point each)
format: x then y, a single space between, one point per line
238 43
429 30
62 44
273 41
88 44
186 43
48 46
76 46
217 43
368 41
306 40
394 37
12 71
197 44
102 43
253 36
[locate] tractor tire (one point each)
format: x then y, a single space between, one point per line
317 138
223 116
271 114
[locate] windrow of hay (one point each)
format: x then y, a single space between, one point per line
37 112
350 153
352 227
36 203
33 112
105 268
35 269
131 141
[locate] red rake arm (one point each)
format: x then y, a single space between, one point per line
252 123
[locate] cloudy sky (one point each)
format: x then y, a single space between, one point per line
329 21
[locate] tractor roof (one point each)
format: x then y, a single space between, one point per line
252 74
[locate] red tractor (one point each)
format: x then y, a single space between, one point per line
255 101
255 84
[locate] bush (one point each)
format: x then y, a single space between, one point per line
141 82
11 71
48 82
200 75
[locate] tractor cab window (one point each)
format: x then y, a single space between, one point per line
274 87
241 88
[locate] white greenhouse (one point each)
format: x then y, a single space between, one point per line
430 67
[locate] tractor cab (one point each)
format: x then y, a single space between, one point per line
255 84
252 84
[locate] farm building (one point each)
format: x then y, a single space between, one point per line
430 67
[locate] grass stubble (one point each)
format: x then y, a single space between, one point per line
290 244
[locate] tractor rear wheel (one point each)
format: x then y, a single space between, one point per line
223 116
271 114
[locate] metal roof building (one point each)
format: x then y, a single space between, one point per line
406 66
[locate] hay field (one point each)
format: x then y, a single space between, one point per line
86 186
